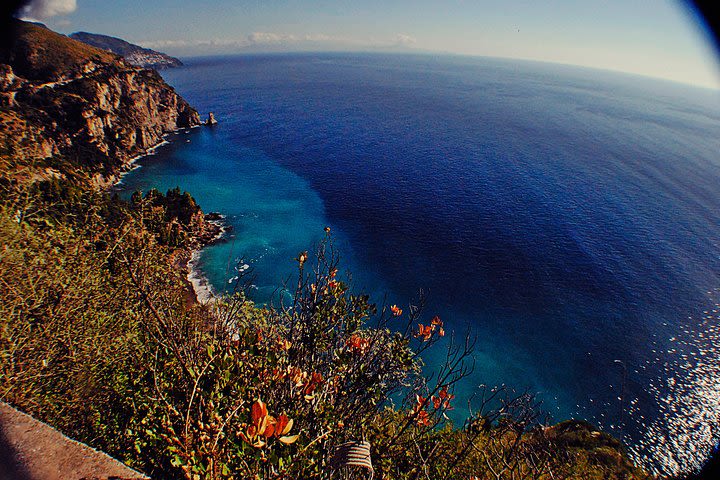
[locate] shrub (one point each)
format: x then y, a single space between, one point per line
97 338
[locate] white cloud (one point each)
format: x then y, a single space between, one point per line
255 39
405 40
275 41
44 9
319 37
185 43
269 38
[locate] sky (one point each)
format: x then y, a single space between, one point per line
658 38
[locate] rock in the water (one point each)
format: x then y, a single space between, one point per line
211 119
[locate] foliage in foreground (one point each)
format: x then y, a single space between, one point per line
98 338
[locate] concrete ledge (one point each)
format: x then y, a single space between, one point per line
33 450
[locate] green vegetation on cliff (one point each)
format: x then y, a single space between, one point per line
99 338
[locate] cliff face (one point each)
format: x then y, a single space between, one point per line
66 103
133 54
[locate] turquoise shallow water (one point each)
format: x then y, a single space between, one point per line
273 213
567 217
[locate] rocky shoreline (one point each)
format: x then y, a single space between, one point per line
199 288
68 109
212 230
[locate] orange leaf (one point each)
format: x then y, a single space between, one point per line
262 425
288 439
284 424
424 331
257 411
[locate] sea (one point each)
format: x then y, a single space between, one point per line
566 218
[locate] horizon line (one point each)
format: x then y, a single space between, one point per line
420 52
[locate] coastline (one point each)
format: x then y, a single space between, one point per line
132 163
198 284
116 179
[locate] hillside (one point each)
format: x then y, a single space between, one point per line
37 54
66 104
133 54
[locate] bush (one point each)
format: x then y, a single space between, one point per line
97 337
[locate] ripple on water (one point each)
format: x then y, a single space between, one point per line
689 396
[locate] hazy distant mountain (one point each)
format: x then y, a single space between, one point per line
133 54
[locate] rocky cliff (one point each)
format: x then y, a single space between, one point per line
133 54
69 107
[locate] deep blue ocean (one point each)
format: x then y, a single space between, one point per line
568 217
